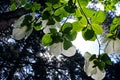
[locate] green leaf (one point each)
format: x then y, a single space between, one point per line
53 30
88 12
78 14
13 6
110 35
23 1
67 44
48 4
84 2
71 36
51 21
57 37
53 1
88 34
28 6
27 21
105 58
92 57
46 15
77 26
37 26
47 40
67 27
101 65
96 62
83 21
115 24
99 17
110 5
56 6
58 18
97 28
36 6
61 12
113 27
70 9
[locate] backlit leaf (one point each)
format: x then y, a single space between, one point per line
13 6
101 65
88 34
71 36
37 26
88 12
83 2
77 26
99 17
97 28
67 27
47 40
105 58
67 44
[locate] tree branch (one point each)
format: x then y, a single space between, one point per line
8 18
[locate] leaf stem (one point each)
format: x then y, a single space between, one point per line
90 25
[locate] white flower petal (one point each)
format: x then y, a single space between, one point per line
87 55
70 52
109 47
57 24
55 49
113 46
117 46
99 75
19 33
28 32
44 23
88 68
47 29
18 22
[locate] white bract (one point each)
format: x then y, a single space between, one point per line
113 46
57 48
20 32
99 75
94 72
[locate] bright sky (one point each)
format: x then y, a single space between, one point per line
86 46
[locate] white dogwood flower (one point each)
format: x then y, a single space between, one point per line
94 72
57 48
20 32
113 46
99 75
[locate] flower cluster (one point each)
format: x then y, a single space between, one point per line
91 69
21 31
